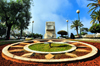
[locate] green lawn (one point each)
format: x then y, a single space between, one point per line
54 47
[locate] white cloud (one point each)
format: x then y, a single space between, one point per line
46 10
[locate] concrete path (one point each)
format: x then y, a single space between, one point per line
16 50
71 55
27 54
49 56
88 39
82 50
18 46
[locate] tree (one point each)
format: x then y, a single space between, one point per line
93 6
95 17
76 24
24 17
14 31
8 12
62 32
11 12
34 35
40 35
23 34
2 29
95 28
84 31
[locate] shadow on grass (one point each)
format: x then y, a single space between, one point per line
61 46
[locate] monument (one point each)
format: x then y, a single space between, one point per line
50 30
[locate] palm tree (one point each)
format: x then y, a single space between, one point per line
76 24
94 6
95 17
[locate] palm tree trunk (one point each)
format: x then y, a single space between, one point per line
77 31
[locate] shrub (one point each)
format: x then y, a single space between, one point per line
72 36
62 32
28 39
95 28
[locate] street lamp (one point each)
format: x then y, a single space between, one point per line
78 11
67 27
32 28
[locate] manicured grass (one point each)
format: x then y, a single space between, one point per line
54 47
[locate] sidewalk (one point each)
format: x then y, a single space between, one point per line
88 39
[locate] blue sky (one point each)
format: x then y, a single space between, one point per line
58 11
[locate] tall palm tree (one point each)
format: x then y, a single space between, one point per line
95 17
94 6
76 24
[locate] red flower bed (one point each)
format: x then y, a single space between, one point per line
93 61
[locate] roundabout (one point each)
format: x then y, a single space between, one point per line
20 51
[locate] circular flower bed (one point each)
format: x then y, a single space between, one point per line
41 57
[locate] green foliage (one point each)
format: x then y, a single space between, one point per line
93 6
62 32
58 37
27 39
95 17
2 29
84 29
76 24
15 13
95 28
13 31
35 35
83 33
18 35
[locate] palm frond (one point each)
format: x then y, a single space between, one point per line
91 21
92 9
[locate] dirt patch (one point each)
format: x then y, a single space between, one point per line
12 48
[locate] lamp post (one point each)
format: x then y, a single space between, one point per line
78 11
67 27
32 28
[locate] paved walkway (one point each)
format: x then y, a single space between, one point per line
88 39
